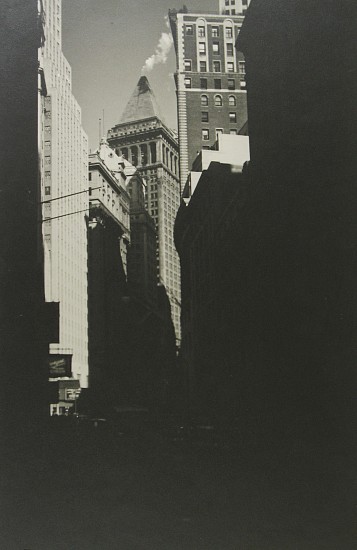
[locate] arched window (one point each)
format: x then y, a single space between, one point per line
218 100
204 100
232 101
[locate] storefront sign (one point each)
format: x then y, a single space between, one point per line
60 366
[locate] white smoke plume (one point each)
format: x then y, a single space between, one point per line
161 52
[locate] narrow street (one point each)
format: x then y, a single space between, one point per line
105 490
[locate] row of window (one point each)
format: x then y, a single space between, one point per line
218 101
205 117
217 83
216 65
216 49
218 131
233 2
201 31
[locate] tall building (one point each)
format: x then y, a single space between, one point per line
64 190
302 268
233 7
108 240
143 138
206 238
210 81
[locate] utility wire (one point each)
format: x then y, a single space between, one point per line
70 195
63 215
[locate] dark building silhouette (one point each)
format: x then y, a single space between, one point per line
211 351
300 268
142 278
132 349
24 395
108 239
284 299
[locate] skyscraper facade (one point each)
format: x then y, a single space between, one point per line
210 81
64 192
144 139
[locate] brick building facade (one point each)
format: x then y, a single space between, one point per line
210 81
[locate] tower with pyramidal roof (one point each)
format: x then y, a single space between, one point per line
143 138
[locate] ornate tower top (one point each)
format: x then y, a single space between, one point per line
142 103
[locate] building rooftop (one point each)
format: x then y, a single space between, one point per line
112 161
142 103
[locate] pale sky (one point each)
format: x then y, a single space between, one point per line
107 42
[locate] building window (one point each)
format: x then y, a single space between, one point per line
134 155
203 66
219 131
231 84
47 190
188 65
204 116
230 49
90 176
189 29
233 12
227 2
202 48
204 100
216 66
233 132
232 117
215 48
187 82
243 84
230 67
218 100
241 67
217 84
229 32
205 134
203 83
153 152
232 102
215 32
201 32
